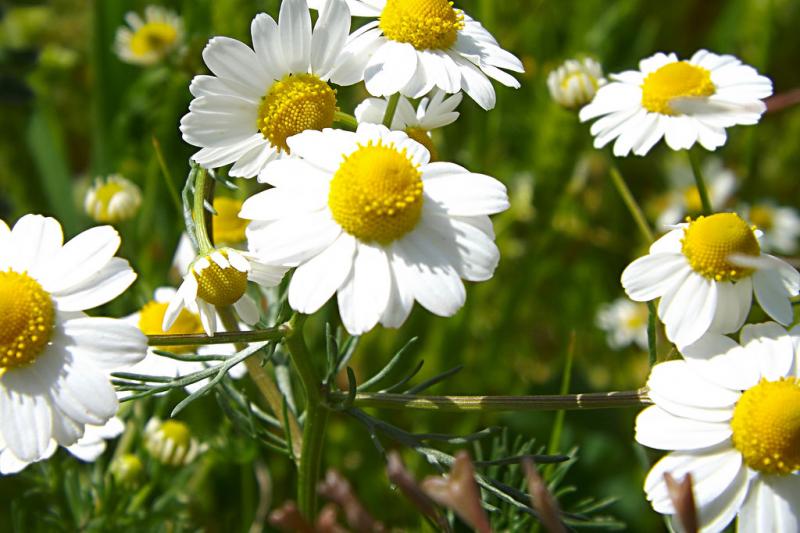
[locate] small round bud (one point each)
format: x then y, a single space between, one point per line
574 83
127 469
112 199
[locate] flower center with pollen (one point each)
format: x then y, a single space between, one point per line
766 426
709 242
675 80
27 317
219 285
152 316
153 37
425 24
296 103
376 195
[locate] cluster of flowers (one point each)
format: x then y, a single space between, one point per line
727 411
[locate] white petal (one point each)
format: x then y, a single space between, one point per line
265 275
267 45
98 288
652 276
677 383
291 241
229 58
280 202
772 296
32 244
247 310
721 360
109 343
390 68
733 305
656 428
330 36
688 311
81 258
771 346
475 254
771 505
475 83
294 29
463 193
315 281
25 415
365 293
401 297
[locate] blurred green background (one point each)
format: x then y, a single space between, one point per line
72 111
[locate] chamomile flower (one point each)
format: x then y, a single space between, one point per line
219 278
88 448
705 272
625 323
261 96
683 197
54 360
365 215
148 41
685 102
575 82
730 415
150 320
780 225
431 113
416 45
112 199
171 442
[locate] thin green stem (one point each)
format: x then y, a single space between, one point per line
701 184
165 173
484 404
651 333
266 385
391 107
345 119
316 418
222 337
630 203
558 425
202 186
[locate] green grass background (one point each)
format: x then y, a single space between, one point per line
71 111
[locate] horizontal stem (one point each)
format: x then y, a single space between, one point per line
451 404
222 337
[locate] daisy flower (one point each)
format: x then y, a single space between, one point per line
365 214
171 442
625 323
575 82
88 448
684 198
260 96
219 278
431 113
54 360
112 199
416 45
148 41
705 272
730 415
682 101
780 225
150 320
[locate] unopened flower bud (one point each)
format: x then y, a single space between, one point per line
127 469
171 442
575 82
112 199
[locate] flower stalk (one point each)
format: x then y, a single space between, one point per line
631 204
391 107
701 184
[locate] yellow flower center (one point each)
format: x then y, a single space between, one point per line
177 432
296 103
27 317
217 285
112 199
691 197
228 227
675 80
425 24
153 38
152 316
376 195
762 216
709 241
421 136
766 426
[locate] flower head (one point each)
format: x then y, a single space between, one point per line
171 442
261 96
682 101
148 41
112 199
574 83
705 272
625 322
416 45
365 215
730 415
54 360
431 113
219 278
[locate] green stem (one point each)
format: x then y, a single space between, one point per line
345 119
316 418
202 188
266 385
165 173
630 203
484 404
651 333
701 184
391 107
221 337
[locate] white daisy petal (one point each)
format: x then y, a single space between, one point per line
651 276
247 310
99 288
110 343
330 36
82 257
768 506
656 428
35 240
25 416
315 281
365 292
390 68
294 29
464 193
401 297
